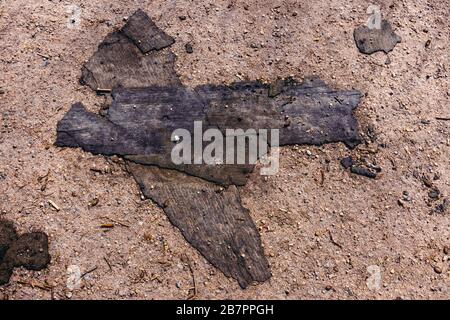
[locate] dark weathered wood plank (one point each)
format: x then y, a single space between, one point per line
139 123
212 219
118 62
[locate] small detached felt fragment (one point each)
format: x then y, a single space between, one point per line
370 40
370 172
363 172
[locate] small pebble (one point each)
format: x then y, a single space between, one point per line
438 269
347 162
189 48
434 194
447 249
406 196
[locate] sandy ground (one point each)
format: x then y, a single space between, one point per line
323 233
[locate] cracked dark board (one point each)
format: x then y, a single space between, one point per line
122 71
211 218
149 102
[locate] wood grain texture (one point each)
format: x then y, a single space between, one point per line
140 122
145 34
132 57
215 223
212 219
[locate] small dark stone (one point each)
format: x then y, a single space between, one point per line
427 182
434 194
347 162
442 208
438 269
406 196
427 44
189 48
363 172
182 18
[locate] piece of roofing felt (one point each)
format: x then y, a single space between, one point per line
211 218
139 123
149 102
372 40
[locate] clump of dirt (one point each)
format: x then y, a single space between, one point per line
8 234
30 250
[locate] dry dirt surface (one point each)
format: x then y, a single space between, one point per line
328 234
